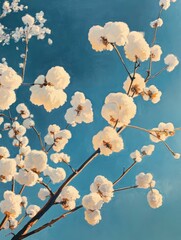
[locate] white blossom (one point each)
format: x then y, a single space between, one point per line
98 39
171 61
60 157
118 109
43 194
48 91
27 178
137 47
136 156
92 201
9 81
56 174
36 161
92 217
108 141
11 224
165 4
81 110
154 198
116 32
23 110
137 85
7 169
156 23
103 187
68 197
4 152
145 180
147 150
32 210
156 53
11 205
163 131
151 93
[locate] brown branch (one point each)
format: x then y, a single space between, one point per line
52 199
125 188
39 137
124 173
49 224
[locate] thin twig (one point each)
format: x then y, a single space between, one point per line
39 137
125 188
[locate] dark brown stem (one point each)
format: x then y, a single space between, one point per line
124 173
125 188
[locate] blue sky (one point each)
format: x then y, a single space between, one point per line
128 215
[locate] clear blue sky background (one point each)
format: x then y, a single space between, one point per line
128 215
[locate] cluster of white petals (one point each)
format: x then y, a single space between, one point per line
9 81
108 141
156 23
23 110
137 47
148 150
156 53
68 197
32 210
4 152
151 93
11 224
26 177
103 187
165 4
60 157
48 90
92 217
135 86
81 110
36 161
136 156
145 180
13 6
11 205
101 192
57 138
162 132
55 174
34 27
7 169
102 38
118 109
171 61
43 194
154 198
145 150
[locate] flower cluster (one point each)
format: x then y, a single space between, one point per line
171 61
101 191
68 197
165 4
9 81
14 6
146 181
145 151
135 86
102 38
56 175
151 93
81 110
32 210
108 141
25 114
48 90
12 204
57 138
162 132
118 109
